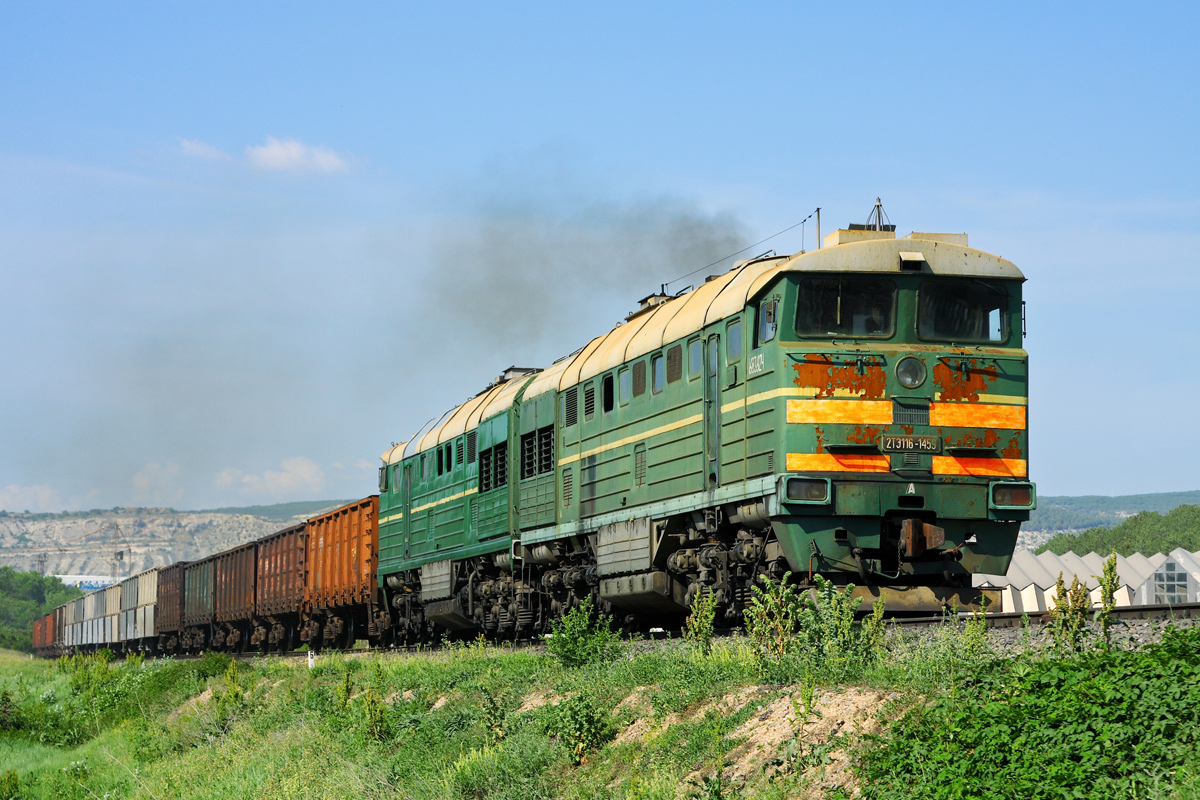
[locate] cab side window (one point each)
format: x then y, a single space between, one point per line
733 342
767 324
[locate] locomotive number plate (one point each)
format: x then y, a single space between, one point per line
911 444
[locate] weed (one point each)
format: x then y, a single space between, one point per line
699 626
1068 618
584 637
1108 598
10 787
494 717
794 632
715 786
345 688
375 712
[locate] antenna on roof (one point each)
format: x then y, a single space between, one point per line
875 220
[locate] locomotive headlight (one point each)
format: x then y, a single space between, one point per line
1013 495
808 490
910 372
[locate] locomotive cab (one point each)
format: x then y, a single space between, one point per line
904 388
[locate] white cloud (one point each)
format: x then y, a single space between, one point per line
195 149
291 155
29 498
299 476
157 485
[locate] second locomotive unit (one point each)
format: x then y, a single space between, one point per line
857 412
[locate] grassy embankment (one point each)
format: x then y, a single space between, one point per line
792 710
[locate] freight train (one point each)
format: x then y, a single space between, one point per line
857 412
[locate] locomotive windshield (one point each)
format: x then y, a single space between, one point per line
962 311
861 307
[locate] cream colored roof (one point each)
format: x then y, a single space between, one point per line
721 297
883 255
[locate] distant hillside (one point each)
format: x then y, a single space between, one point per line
282 512
1097 511
84 542
1147 533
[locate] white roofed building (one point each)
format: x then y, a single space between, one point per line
1161 579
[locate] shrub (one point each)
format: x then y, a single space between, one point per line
1107 723
581 724
583 637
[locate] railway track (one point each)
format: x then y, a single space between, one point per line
994 621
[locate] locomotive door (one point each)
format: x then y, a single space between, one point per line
712 413
408 529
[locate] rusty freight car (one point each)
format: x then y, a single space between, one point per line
197 605
281 581
234 594
168 611
342 600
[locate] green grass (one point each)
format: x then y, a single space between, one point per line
451 724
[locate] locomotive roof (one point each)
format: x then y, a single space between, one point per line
945 255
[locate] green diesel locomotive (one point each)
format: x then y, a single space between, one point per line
857 412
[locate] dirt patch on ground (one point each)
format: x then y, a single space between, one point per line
818 746
637 706
203 697
645 726
535 700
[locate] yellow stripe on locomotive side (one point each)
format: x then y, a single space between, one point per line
628 440
990 467
464 493
838 462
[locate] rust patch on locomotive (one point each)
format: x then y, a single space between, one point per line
987 441
965 383
866 378
1014 448
820 440
863 435
908 429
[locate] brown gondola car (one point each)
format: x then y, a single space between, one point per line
56 640
234 596
342 598
281 579
168 611
198 605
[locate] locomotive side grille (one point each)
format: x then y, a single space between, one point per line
458 451
639 379
639 465
674 363
910 413
485 470
528 455
568 486
545 449
501 464
571 410
472 446
589 402
912 460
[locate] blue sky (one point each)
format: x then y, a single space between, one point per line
245 247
